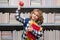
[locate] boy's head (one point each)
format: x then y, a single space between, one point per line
37 15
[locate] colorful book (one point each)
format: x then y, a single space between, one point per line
35 26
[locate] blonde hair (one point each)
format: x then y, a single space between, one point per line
40 16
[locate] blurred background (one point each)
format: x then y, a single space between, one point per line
11 29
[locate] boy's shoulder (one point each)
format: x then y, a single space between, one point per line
27 19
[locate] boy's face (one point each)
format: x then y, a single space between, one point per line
35 16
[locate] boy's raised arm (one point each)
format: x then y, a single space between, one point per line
17 16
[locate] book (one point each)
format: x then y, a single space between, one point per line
52 3
57 19
0 35
35 26
3 2
57 34
44 35
47 35
20 34
13 19
49 18
14 34
57 3
53 18
0 17
7 35
43 2
13 3
19 38
5 18
45 17
36 2
53 35
57 16
47 3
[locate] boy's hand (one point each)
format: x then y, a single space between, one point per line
30 29
19 7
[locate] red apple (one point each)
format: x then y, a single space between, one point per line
21 3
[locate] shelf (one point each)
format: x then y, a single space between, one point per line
52 24
28 7
10 25
13 10
20 27
46 24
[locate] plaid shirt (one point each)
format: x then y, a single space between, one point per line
26 24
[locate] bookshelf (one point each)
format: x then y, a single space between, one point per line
12 31
10 6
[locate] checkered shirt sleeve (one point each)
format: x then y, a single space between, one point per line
37 33
24 32
18 18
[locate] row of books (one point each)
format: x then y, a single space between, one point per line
16 35
9 18
42 3
13 19
51 17
4 2
10 35
6 35
52 35
57 19
4 17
